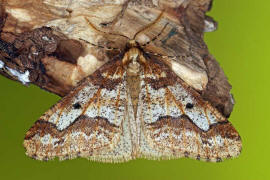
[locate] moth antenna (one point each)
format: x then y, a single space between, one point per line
149 25
99 46
153 39
100 31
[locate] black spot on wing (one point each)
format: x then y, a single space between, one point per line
189 106
77 105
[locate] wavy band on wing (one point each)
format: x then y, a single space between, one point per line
84 137
179 136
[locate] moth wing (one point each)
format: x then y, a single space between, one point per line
89 122
177 122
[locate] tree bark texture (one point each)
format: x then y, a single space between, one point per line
53 40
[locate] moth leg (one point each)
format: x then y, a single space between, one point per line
99 46
117 17
164 56
92 26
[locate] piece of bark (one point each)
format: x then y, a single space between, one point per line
52 40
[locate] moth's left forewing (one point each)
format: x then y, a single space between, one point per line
89 122
177 122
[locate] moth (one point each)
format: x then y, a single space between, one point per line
135 106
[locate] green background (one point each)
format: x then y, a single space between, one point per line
241 45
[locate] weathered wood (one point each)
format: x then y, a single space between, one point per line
52 40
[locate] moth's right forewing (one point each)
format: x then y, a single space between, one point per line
176 122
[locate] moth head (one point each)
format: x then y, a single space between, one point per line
133 58
132 44
131 55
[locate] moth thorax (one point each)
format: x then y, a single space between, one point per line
133 67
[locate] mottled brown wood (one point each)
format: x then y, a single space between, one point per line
32 39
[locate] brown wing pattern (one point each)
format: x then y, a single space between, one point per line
176 122
97 121
88 122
